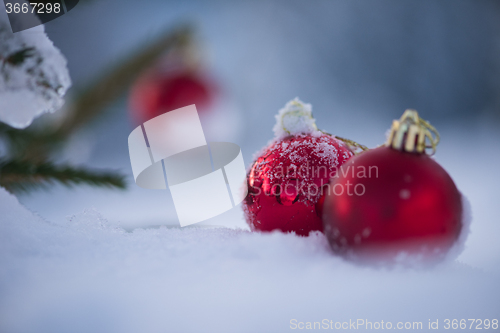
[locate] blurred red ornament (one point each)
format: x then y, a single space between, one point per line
394 198
157 92
285 181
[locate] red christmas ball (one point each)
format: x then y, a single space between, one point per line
387 203
156 93
285 182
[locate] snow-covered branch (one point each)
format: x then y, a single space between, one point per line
33 75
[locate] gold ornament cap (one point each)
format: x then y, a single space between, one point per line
412 134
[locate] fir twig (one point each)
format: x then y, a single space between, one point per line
22 176
38 142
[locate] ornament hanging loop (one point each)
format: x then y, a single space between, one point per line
357 148
413 134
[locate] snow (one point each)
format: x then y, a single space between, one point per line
294 119
36 85
90 275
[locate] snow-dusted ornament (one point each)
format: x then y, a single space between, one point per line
285 182
33 75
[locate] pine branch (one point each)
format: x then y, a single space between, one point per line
22 176
29 149
36 143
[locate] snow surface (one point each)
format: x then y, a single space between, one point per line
35 86
89 275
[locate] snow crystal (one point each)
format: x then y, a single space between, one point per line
295 118
33 75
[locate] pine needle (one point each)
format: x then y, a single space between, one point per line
23 176
19 57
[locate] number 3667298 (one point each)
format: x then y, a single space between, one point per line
36 7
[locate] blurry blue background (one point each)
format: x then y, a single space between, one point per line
439 57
